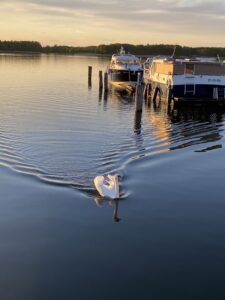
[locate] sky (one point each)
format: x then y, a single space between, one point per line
94 22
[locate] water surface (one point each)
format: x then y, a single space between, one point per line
59 239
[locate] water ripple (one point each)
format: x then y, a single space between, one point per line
56 130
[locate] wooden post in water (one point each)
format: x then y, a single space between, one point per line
89 75
106 84
100 80
156 91
145 92
138 95
169 96
137 122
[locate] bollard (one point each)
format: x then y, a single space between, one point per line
100 80
106 85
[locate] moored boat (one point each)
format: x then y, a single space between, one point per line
186 79
124 69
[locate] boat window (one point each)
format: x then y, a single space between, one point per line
189 69
121 62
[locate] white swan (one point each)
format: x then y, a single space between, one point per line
108 186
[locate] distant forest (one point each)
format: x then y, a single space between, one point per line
145 50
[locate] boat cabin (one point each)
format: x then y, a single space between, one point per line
186 78
187 67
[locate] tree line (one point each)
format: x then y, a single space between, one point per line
161 49
20 46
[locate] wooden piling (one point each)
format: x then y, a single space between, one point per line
139 79
106 84
149 91
137 122
169 96
156 91
89 75
145 92
100 80
138 95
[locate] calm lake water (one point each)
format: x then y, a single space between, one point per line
59 239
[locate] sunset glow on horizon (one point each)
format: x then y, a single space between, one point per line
88 22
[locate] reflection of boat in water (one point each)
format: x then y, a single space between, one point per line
124 69
186 127
188 80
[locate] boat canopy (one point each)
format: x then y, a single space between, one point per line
126 59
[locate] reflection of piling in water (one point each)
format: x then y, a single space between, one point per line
100 96
90 76
100 80
106 94
106 84
105 98
116 209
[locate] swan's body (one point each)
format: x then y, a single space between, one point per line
107 186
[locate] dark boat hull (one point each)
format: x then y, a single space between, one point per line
200 92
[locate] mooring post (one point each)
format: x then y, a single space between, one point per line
149 91
137 122
138 95
169 96
106 84
89 75
139 78
145 92
148 94
156 91
100 80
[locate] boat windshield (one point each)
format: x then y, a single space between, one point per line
127 61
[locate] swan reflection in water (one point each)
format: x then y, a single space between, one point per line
115 203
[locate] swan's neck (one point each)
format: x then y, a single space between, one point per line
116 181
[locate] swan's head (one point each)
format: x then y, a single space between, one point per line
118 177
